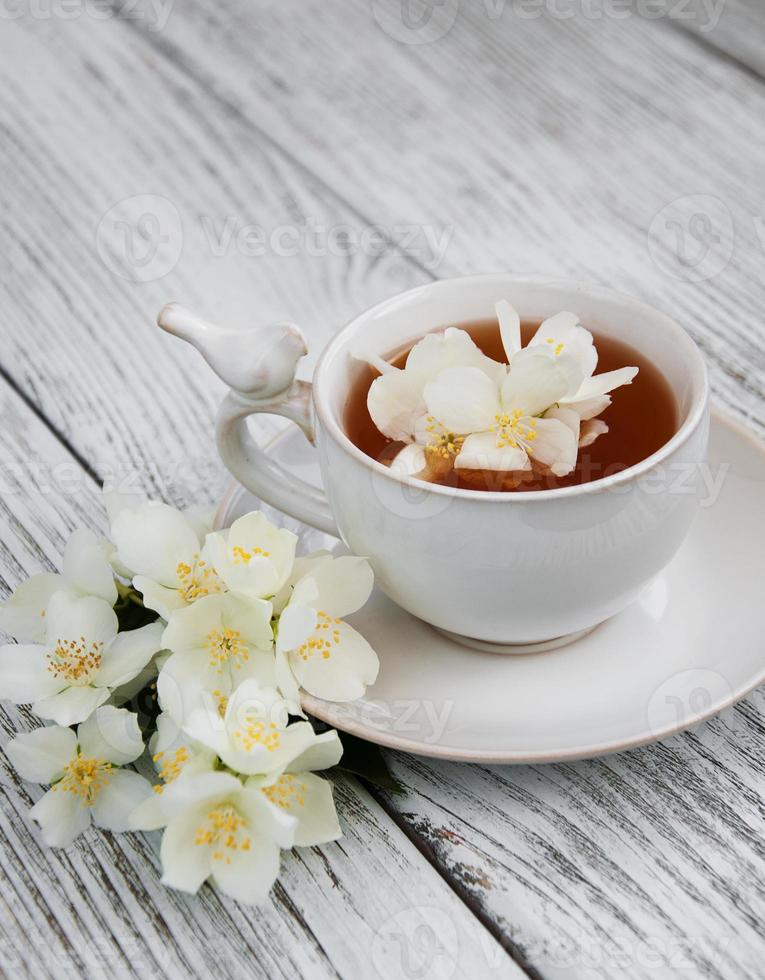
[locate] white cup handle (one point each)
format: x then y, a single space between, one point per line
259 366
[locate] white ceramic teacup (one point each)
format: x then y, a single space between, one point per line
496 568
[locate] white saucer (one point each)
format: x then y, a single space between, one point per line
690 647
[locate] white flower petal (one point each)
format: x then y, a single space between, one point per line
115 501
113 804
111 735
185 685
344 675
40 756
601 384
24 674
343 585
148 814
325 751
86 567
61 816
174 753
250 618
535 382
285 680
296 624
463 399
309 799
23 614
555 329
201 519
588 408
254 556
395 403
185 865
188 628
560 336
450 348
159 598
410 461
251 873
509 327
590 431
567 416
250 758
128 654
71 706
199 790
480 452
266 820
71 618
555 446
152 539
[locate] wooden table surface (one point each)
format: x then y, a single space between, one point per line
270 160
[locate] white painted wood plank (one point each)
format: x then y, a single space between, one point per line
105 118
99 907
644 864
735 27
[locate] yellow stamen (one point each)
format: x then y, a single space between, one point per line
75 661
286 791
244 557
84 777
255 733
225 832
319 644
226 647
197 580
512 432
171 765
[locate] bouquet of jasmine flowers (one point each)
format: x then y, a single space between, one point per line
224 629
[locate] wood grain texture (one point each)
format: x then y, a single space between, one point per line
71 102
540 145
733 27
98 907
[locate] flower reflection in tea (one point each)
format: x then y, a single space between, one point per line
456 408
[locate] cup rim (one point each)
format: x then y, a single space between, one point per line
332 427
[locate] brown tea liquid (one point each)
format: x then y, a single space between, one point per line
641 419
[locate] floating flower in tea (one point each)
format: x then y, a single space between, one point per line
455 407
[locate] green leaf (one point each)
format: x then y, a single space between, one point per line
366 760
130 610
